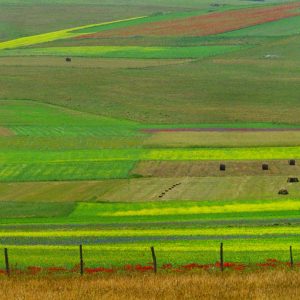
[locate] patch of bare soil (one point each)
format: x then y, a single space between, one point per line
6 132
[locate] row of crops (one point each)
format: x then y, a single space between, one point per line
44 142
182 232
192 26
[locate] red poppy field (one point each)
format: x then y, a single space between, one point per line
203 25
268 264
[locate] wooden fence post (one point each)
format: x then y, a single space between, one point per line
81 259
221 258
154 259
6 261
291 257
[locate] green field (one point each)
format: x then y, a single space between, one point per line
120 148
126 52
191 231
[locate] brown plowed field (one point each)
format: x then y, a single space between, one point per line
211 168
213 23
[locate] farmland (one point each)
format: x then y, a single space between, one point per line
119 147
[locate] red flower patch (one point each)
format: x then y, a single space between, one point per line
141 268
128 268
98 270
34 270
212 23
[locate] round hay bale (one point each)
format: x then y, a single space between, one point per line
293 179
222 167
292 162
283 192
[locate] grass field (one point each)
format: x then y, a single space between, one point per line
120 148
252 231
269 82
260 285
127 52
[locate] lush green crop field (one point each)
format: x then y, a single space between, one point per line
181 232
50 143
126 52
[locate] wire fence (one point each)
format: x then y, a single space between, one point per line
82 267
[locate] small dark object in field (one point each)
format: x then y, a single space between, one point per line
293 179
265 167
283 192
222 167
292 162
68 59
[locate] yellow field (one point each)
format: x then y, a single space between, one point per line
257 285
51 36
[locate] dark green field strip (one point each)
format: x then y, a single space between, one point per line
31 116
64 241
62 143
169 212
74 131
59 171
225 218
35 209
133 52
192 224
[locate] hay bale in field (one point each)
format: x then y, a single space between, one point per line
265 167
222 167
68 59
283 192
293 179
292 162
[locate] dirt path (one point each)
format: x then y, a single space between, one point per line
154 130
